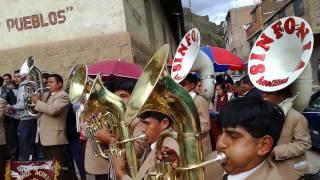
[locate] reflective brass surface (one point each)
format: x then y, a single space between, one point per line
80 85
32 87
109 110
155 90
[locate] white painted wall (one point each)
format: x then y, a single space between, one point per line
62 20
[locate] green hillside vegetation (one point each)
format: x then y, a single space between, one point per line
211 33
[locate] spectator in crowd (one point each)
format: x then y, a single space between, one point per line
52 123
3 105
27 125
289 154
222 97
238 91
8 81
248 88
10 122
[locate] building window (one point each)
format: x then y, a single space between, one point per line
298 7
282 14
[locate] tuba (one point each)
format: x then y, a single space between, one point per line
190 58
156 90
280 57
80 84
104 108
32 87
70 76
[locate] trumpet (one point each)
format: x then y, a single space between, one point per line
163 170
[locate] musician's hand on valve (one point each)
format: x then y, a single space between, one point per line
168 155
119 165
35 98
103 135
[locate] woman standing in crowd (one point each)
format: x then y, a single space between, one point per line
222 97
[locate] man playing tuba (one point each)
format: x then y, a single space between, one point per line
153 124
290 152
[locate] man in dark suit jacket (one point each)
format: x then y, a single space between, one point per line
10 123
248 88
52 122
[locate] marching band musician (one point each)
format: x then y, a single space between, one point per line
153 123
189 84
98 166
290 152
27 125
3 105
52 123
123 88
249 129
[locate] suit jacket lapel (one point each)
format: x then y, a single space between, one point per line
147 166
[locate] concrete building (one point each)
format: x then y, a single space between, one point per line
234 28
259 14
269 11
60 34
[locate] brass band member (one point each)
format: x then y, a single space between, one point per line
249 129
189 84
153 123
52 122
27 125
123 88
290 152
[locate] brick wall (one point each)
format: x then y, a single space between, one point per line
59 57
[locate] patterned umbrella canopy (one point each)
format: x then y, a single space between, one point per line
223 59
117 68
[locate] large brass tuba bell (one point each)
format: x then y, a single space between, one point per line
32 87
104 108
156 90
80 84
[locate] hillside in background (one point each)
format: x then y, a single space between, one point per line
211 33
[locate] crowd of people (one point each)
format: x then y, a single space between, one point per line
260 133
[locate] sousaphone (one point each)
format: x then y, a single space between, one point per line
280 57
190 58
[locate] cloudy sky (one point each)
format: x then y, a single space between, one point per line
216 9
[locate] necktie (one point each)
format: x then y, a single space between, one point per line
145 155
47 98
225 177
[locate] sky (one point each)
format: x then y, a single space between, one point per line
216 9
